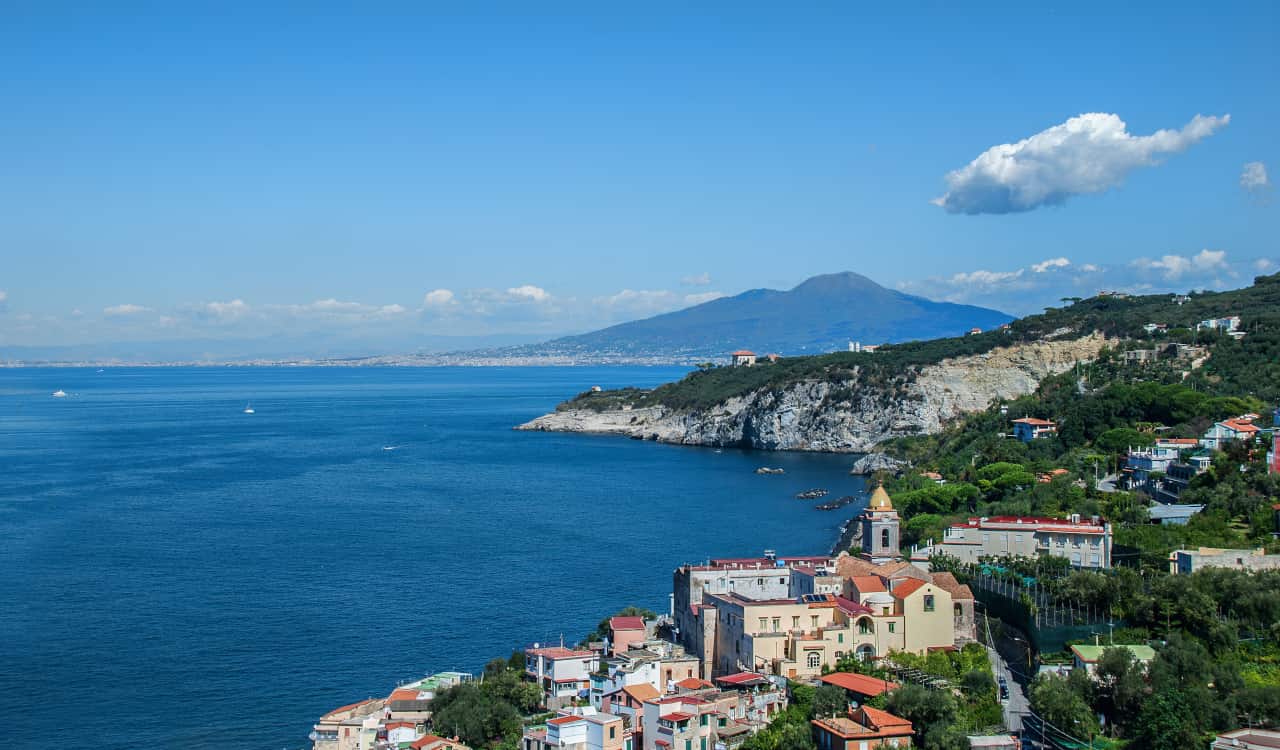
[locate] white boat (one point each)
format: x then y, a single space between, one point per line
59 393
248 409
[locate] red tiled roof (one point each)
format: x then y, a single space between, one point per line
641 692
559 720
693 683
1034 422
348 707
744 353
1238 426
742 678
852 607
859 683
626 623
907 588
882 719
399 724
424 740
867 584
677 716
404 694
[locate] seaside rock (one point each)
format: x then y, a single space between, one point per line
841 416
873 462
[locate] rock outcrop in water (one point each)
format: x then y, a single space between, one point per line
841 416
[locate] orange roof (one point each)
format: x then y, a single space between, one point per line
867 584
907 588
564 720
744 353
403 694
1239 426
557 652
859 683
1034 422
399 724
348 707
641 692
881 719
948 583
693 683
424 740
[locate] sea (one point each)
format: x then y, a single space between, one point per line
177 573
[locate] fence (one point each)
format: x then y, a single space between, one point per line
1048 623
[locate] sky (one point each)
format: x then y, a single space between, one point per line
393 171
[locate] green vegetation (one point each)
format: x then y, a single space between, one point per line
488 713
1233 369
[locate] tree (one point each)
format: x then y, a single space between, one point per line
1056 701
1166 722
1121 686
925 708
829 700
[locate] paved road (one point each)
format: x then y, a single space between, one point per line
1108 483
1017 705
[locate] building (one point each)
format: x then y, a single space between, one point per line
1185 561
579 729
1247 739
1273 455
1086 657
625 632
1030 428
350 727
1173 515
1155 327
1227 325
563 674
435 742
1228 430
743 358
655 663
994 742
880 528
974 331
863 729
766 577
1141 356
1085 543
1141 463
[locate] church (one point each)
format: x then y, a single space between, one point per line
880 529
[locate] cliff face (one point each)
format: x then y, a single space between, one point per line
841 416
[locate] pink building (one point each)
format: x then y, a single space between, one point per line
626 632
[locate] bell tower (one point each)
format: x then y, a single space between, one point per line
880 533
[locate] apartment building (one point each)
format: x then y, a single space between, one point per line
564 674
1086 543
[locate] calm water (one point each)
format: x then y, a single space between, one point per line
175 573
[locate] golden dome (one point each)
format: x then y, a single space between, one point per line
880 500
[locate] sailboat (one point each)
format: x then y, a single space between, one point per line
59 393
248 409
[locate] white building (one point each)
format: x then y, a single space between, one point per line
1221 433
562 673
1085 543
1227 324
1186 561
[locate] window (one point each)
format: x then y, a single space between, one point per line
839 637
795 621
839 655
777 624
688 745
986 538
813 621
957 610
865 626
893 627
884 538
764 623
704 743
721 721
815 660
702 720
928 602
759 581
613 732
783 581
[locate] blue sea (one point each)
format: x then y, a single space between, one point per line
175 573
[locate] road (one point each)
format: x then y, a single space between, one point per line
1017 705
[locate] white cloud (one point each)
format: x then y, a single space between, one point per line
389 310
1089 153
986 278
1253 177
529 292
698 299
438 298
1089 268
702 279
4 300
227 310
1174 267
1264 265
1043 266
125 309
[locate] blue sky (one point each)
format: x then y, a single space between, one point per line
424 168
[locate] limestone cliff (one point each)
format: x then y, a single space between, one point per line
841 415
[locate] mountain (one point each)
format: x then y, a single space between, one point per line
822 314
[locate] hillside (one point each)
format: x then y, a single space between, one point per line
851 402
820 315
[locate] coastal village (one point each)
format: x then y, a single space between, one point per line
747 645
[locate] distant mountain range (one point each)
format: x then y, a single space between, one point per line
822 314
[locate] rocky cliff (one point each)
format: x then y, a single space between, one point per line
841 415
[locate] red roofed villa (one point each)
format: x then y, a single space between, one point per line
743 357
863 729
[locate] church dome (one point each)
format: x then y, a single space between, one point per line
880 500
